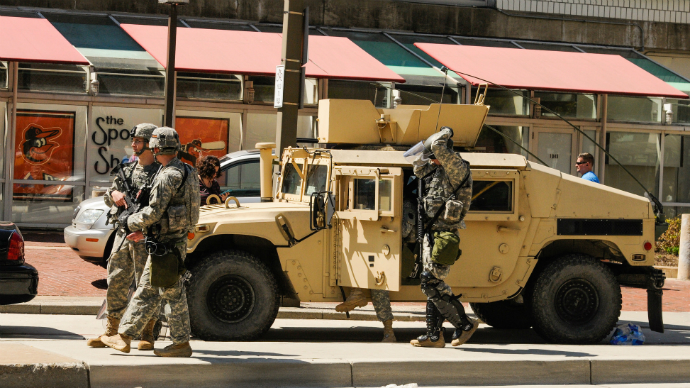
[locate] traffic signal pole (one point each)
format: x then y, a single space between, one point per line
292 59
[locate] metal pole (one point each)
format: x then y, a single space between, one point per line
291 57
170 74
684 253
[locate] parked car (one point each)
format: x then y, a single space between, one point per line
18 280
92 238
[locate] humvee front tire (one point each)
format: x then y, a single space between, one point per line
505 314
232 296
576 300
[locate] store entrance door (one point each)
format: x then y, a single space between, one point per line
556 149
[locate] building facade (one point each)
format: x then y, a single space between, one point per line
89 128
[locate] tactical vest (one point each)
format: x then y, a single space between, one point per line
182 213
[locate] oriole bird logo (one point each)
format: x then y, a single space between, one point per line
38 145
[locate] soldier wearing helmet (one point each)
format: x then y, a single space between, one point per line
173 211
127 258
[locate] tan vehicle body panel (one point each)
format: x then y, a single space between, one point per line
499 249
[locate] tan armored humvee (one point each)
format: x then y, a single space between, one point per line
542 249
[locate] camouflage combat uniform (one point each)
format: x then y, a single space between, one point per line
163 213
382 304
127 259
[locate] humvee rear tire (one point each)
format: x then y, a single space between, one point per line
505 314
576 300
232 296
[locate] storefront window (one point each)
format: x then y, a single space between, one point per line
361 90
504 102
572 105
3 75
425 95
491 142
639 153
132 83
676 185
636 109
202 136
209 86
264 88
3 110
681 111
261 127
45 204
675 211
39 77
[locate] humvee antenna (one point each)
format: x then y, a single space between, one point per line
440 104
647 192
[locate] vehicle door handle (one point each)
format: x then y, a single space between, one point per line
386 230
507 229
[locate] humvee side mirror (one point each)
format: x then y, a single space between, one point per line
321 210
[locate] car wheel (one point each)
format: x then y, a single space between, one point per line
576 300
231 296
505 314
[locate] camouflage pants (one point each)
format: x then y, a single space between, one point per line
146 303
126 264
382 304
439 271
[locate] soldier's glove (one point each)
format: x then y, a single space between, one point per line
122 220
443 135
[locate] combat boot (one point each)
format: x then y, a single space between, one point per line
110 330
357 298
118 341
147 338
388 334
434 329
461 336
181 350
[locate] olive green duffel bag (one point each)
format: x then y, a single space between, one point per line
446 248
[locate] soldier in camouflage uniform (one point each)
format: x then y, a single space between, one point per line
172 213
127 259
382 305
448 180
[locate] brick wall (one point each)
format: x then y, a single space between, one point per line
666 11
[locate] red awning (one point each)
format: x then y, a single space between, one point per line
550 70
35 40
257 53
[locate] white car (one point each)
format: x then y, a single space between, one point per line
92 238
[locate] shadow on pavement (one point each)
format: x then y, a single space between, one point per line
542 352
101 284
37 332
43 236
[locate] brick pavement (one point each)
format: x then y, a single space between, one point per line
63 273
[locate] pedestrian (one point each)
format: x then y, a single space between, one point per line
382 305
209 171
584 165
448 191
127 258
172 212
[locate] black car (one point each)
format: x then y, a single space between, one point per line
18 280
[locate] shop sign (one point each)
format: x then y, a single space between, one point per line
109 141
44 150
280 85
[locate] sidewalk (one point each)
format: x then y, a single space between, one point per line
49 350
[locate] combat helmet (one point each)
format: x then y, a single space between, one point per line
144 131
166 140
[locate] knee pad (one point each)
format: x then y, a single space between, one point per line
428 285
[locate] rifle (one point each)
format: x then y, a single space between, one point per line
134 198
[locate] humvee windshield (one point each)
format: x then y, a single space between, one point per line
316 178
292 182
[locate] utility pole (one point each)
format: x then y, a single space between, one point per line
170 73
293 57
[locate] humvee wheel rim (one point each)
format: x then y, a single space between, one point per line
577 301
230 298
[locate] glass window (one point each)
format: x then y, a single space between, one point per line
45 204
209 86
484 42
675 211
3 110
51 78
3 75
219 25
504 102
681 111
385 195
492 196
639 153
490 141
547 46
361 90
316 178
425 95
638 109
588 145
241 179
556 150
292 182
581 106
264 88
676 185
365 194
134 83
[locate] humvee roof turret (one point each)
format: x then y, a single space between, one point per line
542 249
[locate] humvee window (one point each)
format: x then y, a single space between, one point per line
292 182
385 194
365 194
316 178
496 196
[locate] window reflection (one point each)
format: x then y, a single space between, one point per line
493 196
365 194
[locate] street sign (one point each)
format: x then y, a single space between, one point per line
280 85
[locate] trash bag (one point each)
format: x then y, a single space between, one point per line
627 334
